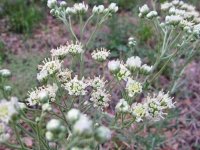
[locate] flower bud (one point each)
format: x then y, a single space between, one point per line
96 124
83 127
51 3
145 70
46 107
144 9
43 96
105 11
57 13
102 134
8 90
54 126
63 4
62 132
52 11
114 66
49 136
162 25
95 10
122 106
5 73
69 11
73 115
152 14
113 8
133 63
22 106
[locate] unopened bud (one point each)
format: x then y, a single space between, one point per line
8 90
49 136
43 97
5 73
54 126
46 107
102 134
63 4
73 115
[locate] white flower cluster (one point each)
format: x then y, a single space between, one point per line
124 73
75 87
133 87
97 83
9 110
60 52
33 96
151 108
100 55
74 49
155 105
182 14
100 98
80 8
50 68
133 65
63 76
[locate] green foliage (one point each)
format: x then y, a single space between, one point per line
20 15
24 71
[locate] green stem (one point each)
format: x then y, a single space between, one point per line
18 137
103 68
121 88
25 130
81 27
38 135
12 145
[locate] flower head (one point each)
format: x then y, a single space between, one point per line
60 52
133 87
80 8
100 55
137 110
124 73
97 83
100 98
166 6
63 75
122 106
98 9
145 69
133 63
113 8
75 86
49 68
114 66
74 49
144 9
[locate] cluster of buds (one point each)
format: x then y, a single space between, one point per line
122 106
144 11
112 8
83 127
4 74
55 130
61 52
42 95
132 42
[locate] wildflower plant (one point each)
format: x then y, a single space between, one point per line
82 100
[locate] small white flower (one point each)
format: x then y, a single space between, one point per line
98 9
100 99
63 75
97 83
49 68
145 69
100 55
144 9
75 87
138 111
133 87
133 63
9 110
80 8
173 19
60 52
69 11
166 6
42 76
124 73
113 7
114 66
122 106
74 49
